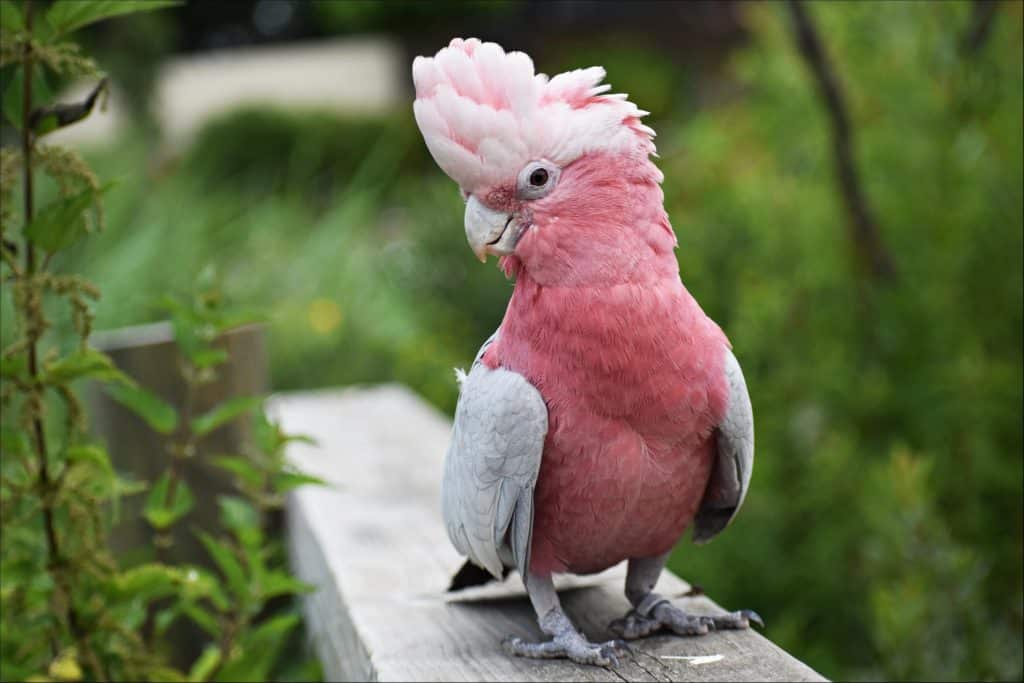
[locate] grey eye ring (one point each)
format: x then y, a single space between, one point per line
537 179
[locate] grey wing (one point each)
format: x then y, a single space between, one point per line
734 461
491 467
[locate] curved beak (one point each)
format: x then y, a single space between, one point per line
489 231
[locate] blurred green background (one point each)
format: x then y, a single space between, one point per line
882 535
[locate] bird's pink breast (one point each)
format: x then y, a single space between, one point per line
632 374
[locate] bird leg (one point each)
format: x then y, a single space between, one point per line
652 612
566 642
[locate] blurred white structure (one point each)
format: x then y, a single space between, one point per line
361 75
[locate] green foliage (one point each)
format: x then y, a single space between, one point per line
882 536
69 610
61 223
67 16
160 416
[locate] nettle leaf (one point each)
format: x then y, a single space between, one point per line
14 366
269 436
148 581
233 319
243 520
165 674
11 18
92 455
84 363
205 664
13 104
286 481
61 223
13 441
225 412
236 513
202 617
162 509
260 648
224 557
199 583
66 16
48 119
161 416
241 467
281 583
209 358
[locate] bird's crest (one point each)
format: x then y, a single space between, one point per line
484 113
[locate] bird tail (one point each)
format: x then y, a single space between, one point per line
471 575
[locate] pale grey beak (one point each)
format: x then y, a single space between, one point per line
489 231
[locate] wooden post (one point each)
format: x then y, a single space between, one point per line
374 545
149 355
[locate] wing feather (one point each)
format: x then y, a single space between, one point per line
734 461
492 464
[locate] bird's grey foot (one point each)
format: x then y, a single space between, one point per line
655 613
571 646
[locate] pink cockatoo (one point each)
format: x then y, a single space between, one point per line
607 414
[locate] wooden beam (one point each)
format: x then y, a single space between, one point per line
375 546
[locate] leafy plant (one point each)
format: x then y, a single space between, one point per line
70 610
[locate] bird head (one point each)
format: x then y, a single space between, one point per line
551 169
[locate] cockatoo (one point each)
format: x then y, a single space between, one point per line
607 414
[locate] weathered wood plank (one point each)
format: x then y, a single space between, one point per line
375 546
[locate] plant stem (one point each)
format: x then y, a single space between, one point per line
236 623
56 562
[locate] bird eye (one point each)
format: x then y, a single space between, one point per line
537 179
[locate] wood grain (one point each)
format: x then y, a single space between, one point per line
374 545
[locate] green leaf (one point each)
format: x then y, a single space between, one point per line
13 441
15 365
225 412
10 16
161 511
233 319
269 437
66 16
164 618
61 223
165 674
161 416
148 582
224 557
205 664
260 648
202 617
286 481
48 119
237 514
208 358
241 467
93 455
199 583
281 583
13 106
84 363
242 519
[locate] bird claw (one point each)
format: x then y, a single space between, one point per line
667 616
752 617
572 647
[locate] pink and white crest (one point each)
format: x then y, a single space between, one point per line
485 114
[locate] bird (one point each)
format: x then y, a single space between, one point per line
607 414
